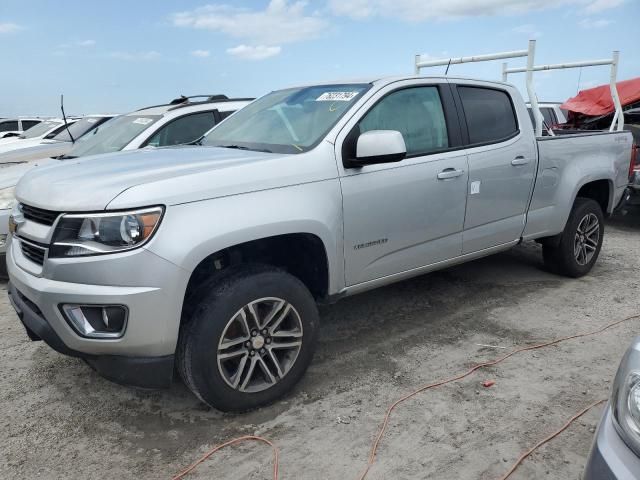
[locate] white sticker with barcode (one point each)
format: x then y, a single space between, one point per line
336 96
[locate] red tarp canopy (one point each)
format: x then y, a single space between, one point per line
597 101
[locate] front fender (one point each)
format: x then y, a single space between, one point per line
191 232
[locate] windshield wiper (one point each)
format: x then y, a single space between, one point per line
242 147
66 157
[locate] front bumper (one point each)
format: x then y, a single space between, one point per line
610 458
143 356
145 372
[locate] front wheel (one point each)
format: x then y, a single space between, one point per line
580 242
249 340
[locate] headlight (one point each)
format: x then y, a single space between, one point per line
99 233
625 399
7 198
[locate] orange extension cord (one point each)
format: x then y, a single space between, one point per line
385 423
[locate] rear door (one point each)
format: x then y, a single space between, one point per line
502 165
404 215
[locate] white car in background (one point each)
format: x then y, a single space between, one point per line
46 129
12 127
57 145
182 121
551 112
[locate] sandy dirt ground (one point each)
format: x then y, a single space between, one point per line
61 420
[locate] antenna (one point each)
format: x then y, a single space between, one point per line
64 117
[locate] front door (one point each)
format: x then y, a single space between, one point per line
400 216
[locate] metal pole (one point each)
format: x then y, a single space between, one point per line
533 99
619 116
504 72
476 58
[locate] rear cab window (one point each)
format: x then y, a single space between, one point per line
490 114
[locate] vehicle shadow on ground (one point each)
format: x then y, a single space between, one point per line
628 222
363 331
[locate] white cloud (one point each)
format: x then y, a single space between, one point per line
251 52
87 43
417 10
281 22
597 6
200 53
592 24
528 29
150 55
9 27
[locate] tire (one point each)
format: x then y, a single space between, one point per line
574 254
220 357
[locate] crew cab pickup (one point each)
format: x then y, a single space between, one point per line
214 259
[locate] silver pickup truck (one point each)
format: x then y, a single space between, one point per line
212 260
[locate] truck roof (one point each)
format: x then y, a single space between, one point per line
385 80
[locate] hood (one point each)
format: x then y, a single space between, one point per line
20 143
166 176
35 152
8 140
10 173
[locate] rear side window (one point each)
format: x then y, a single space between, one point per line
8 126
414 112
183 130
489 113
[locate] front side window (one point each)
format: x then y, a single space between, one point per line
112 136
294 120
489 113
184 130
416 113
11 126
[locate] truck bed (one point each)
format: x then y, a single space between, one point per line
564 158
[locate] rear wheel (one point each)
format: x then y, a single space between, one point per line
249 340
579 245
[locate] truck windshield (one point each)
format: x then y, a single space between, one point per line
78 129
40 129
286 121
113 135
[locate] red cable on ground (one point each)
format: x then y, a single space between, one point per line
191 467
550 437
385 423
372 455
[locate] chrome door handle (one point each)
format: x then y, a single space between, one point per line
449 173
519 160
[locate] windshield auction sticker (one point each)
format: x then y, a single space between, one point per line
336 97
143 121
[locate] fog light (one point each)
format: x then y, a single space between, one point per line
3 240
97 321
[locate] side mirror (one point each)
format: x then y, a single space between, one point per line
379 146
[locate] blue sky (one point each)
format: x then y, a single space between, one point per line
117 56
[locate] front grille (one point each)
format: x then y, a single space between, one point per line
39 215
33 252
